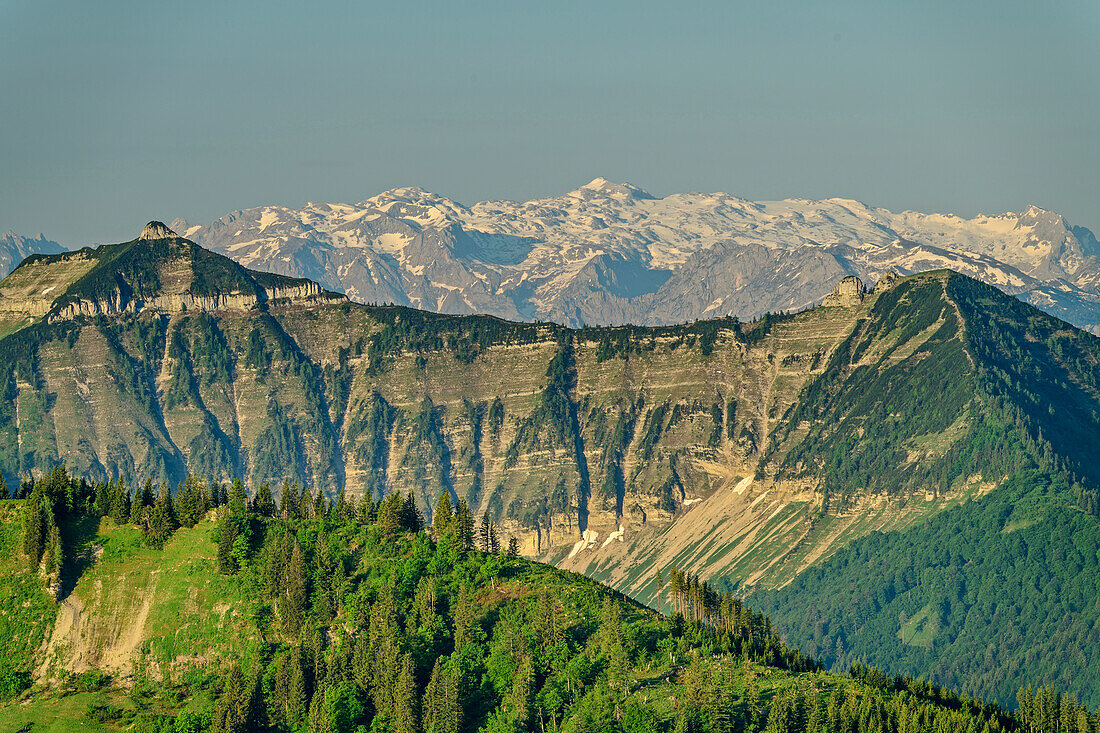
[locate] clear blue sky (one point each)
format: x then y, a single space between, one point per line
112 113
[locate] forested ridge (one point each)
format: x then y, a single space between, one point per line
365 619
1006 587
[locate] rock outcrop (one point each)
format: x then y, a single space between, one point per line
156 230
848 292
886 281
306 293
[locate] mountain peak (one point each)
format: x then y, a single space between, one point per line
610 188
156 230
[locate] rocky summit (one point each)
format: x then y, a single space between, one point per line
156 230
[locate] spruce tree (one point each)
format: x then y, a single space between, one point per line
137 510
297 594
120 503
297 700
148 493
103 498
484 534
226 533
406 699
34 529
264 503
464 525
411 519
390 515
238 498
441 516
162 519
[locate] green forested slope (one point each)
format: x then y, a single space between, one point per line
359 619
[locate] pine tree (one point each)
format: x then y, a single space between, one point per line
513 547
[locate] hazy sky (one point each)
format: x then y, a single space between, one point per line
113 113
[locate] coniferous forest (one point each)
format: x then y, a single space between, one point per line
361 618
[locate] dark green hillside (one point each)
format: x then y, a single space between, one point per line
1003 589
1041 373
349 616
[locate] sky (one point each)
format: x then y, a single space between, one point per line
115 113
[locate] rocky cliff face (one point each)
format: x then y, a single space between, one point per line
116 304
600 449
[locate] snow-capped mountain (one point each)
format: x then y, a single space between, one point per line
612 253
14 248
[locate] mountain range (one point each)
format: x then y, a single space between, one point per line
610 253
762 455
